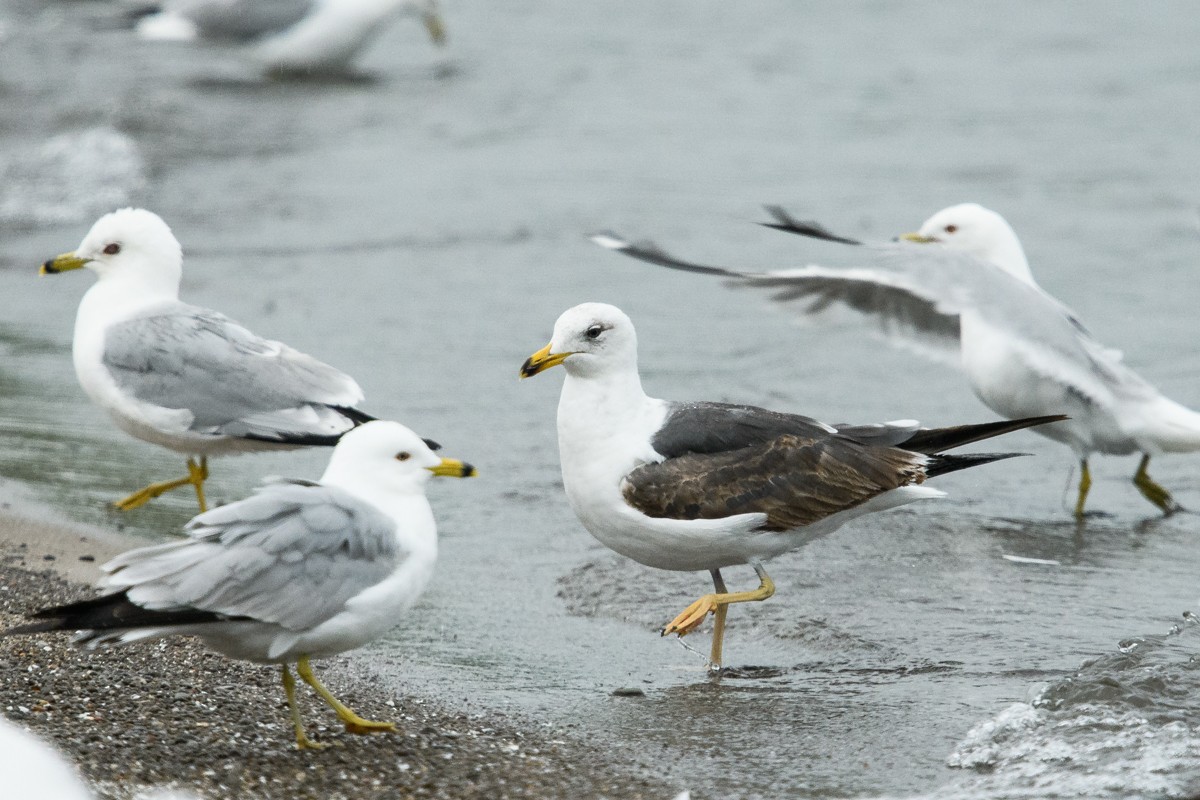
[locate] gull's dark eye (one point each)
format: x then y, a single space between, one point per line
594 331
951 228
403 456
112 249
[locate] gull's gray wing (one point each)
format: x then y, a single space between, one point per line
916 294
291 554
240 19
231 381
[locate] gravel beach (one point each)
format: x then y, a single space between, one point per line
170 713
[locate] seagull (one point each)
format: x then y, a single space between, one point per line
298 570
289 36
184 377
970 299
702 486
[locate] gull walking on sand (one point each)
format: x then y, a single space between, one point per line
184 377
702 486
299 570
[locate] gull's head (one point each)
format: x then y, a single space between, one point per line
133 243
387 454
590 340
977 231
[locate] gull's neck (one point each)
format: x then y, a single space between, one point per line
605 422
1008 255
402 499
117 295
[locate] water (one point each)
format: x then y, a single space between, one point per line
422 226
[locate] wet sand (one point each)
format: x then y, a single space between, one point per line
170 713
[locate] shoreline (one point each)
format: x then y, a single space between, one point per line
171 714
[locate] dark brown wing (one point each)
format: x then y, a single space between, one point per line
794 480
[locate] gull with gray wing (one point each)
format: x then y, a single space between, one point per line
184 377
299 570
702 486
971 300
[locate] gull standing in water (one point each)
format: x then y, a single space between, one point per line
183 377
299 570
971 296
701 486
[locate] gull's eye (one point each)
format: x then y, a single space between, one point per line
403 456
951 228
112 249
594 331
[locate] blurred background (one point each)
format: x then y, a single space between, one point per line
420 223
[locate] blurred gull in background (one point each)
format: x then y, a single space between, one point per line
289 36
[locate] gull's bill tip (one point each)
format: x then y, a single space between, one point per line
542 360
62 263
453 468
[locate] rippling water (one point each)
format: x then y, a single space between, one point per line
423 224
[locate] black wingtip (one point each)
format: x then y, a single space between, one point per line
943 464
783 221
653 254
935 440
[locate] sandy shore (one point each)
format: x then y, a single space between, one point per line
170 713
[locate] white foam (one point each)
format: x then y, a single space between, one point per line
71 177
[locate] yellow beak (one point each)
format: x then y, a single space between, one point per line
453 468
916 237
434 26
541 361
63 263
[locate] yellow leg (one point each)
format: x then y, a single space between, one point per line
197 474
354 723
691 617
714 657
1085 485
1152 491
289 688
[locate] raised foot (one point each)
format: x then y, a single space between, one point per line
197 475
363 727
691 617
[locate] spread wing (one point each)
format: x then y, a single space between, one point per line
916 293
231 381
292 554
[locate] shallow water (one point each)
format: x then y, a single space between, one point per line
422 226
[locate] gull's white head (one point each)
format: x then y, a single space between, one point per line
590 340
971 228
131 244
388 455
